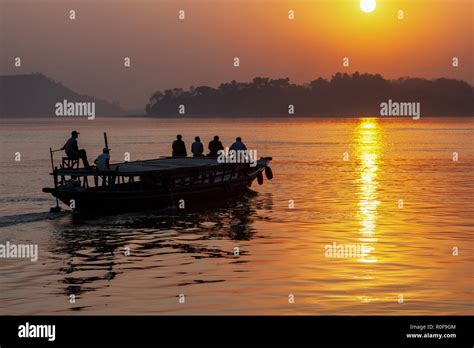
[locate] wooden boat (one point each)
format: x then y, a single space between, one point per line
154 183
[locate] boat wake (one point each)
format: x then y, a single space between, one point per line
28 218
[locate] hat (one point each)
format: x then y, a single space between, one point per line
105 150
75 133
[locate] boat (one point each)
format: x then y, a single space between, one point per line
153 183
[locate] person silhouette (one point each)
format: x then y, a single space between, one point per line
179 148
72 149
214 146
103 160
197 148
238 145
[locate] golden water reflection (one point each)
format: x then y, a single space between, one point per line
368 148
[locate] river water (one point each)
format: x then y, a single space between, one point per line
399 190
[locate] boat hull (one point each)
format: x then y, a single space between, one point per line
120 201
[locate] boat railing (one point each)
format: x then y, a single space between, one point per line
116 179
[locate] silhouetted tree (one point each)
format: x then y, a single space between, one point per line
343 95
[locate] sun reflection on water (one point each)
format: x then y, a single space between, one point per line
368 148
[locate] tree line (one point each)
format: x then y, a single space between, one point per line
342 95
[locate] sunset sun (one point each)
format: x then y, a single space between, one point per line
367 5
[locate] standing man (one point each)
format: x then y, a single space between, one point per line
179 148
197 148
72 149
214 146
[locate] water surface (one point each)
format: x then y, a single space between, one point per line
388 185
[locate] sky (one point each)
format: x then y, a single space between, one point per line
87 54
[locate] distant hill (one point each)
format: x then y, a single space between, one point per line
35 95
342 95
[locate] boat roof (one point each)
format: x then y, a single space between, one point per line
164 164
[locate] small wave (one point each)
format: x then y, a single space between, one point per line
26 218
24 199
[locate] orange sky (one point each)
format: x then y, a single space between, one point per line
87 54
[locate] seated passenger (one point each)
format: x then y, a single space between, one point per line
179 148
214 146
103 160
197 148
238 145
72 150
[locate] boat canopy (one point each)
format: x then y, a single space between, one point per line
162 165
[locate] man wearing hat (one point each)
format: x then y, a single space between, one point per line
72 149
103 160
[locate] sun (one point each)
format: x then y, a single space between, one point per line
367 5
